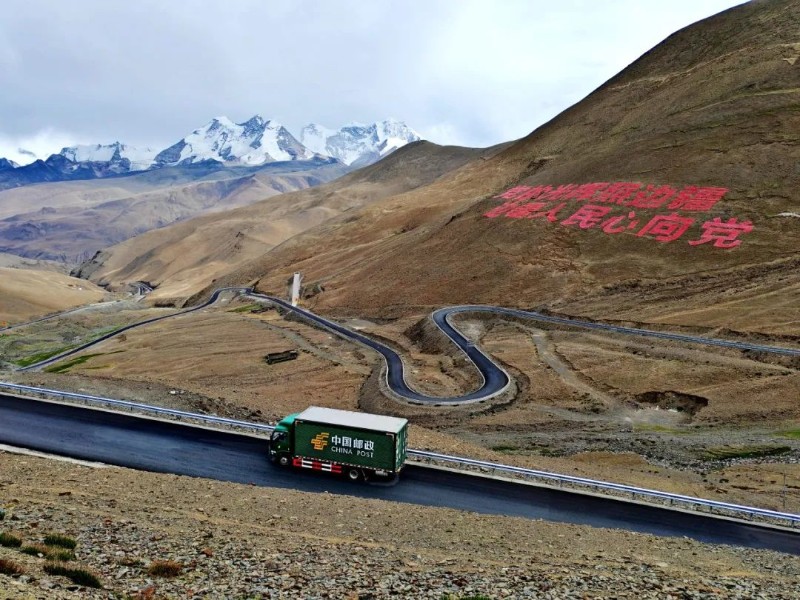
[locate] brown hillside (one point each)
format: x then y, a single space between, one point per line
715 105
32 292
183 259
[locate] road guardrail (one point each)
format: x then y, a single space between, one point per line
617 490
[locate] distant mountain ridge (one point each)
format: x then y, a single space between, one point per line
255 142
358 145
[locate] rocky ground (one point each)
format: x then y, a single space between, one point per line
236 541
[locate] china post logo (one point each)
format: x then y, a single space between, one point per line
320 441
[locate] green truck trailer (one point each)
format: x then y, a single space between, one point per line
357 445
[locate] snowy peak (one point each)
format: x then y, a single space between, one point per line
126 158
7 164
252 143
358 144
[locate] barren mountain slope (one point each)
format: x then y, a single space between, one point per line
26 293
182 259
71 221
19 262
713 106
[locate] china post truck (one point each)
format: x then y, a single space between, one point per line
357 445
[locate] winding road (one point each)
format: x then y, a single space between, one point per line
494 379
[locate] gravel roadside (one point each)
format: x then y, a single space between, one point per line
238 541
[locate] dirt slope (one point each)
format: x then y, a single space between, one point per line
239 541
183 259
27 293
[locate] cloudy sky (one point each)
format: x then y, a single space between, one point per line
468 72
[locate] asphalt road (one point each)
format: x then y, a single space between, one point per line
174 448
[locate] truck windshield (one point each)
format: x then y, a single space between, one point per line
278 436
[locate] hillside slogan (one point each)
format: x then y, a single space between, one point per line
602 210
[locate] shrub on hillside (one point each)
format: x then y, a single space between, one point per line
9 567
9 540
165 568
77 575
62 541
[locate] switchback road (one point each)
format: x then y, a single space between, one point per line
494 379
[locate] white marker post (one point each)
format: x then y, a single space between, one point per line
296 288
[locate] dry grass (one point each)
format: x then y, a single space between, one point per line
165 568
9 567
29 293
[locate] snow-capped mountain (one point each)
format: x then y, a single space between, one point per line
251 143
254 143
125 158
357 144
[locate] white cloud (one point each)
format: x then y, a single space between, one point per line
476 72
27 148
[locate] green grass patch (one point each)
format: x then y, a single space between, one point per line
35 550
77 575
653 427
60 554
72 362
61 367
246 308
48 552
62 541
9 540
40 356
504 448
108 330
792 434
9 567
544 451
729 452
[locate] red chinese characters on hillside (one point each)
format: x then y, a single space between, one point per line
602 210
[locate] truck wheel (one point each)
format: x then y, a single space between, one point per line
353 474
283 460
